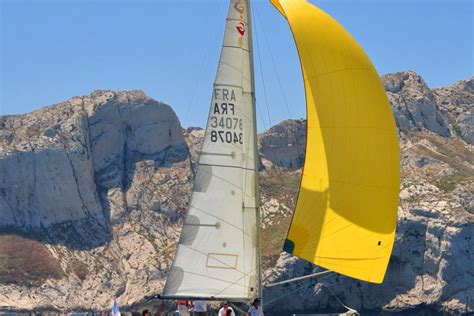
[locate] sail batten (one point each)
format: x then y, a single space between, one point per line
346 210
217 254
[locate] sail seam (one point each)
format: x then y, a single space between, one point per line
233 67
227 166
336 71
238 47
227 85
214 154
235 282
228 182
236 20
223 220
206 276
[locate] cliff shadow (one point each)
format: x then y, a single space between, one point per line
129 140
48 195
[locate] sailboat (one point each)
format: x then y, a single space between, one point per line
345 215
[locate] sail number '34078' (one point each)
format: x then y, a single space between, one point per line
225 125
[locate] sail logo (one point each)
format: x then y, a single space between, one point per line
241 28
239 7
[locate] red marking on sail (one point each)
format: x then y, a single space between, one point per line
241 28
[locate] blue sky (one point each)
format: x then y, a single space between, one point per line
51 50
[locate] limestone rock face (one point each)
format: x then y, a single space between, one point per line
95 179
284 144
414 104
47 175
432 261
431 266
443 111
93 192
194 137
457 102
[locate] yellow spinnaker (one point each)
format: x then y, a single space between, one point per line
346 212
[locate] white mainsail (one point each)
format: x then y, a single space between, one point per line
218 252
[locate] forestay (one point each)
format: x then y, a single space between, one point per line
217 255
346 212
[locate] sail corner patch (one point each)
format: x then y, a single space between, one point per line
222 260
289 246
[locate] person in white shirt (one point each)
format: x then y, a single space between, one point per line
200 308
255 309
226 307
183 307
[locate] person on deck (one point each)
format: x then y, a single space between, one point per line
255 309
183 307
200 308
160 309
225 307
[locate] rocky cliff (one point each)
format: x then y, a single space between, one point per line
89 187
432 262
93 190
446 112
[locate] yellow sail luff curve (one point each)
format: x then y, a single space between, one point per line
345 217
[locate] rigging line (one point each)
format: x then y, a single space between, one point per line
203 61
240 310
259 57
238 280
338 300
298 288
272 149
304 277
261 117
273 62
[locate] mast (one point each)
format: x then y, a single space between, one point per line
257 167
